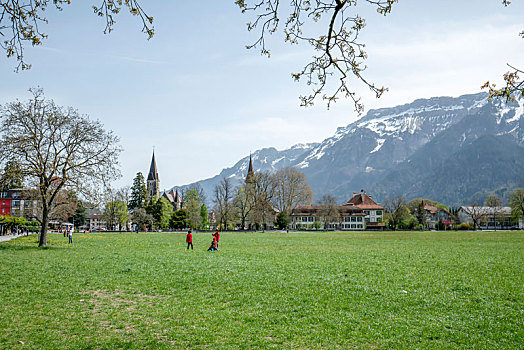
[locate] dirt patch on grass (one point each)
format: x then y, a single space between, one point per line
118 312
119 300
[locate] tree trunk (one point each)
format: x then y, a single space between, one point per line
43 230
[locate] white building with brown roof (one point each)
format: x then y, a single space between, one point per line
374 212
305 217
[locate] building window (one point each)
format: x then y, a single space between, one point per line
359 219
379 212
310 219
366 212
15 204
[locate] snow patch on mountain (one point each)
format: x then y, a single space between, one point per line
519 111
380 143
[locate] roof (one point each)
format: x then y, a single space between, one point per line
153 173
486 210
363 201
313 209
172 196
431 208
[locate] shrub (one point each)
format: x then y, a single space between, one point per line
464 226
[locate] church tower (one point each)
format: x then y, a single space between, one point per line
153 182
250 178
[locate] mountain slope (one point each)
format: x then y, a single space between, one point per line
394 150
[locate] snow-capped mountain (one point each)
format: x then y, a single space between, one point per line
395 150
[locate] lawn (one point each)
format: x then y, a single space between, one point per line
347 290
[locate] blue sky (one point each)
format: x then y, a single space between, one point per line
203 101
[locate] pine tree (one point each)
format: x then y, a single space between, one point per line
203 214
138 192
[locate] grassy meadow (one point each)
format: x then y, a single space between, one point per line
347 290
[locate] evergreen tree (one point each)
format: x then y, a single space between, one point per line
138 192
203 215
282 220
79 217
12 176
178 219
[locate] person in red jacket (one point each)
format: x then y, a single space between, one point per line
189 240
216 236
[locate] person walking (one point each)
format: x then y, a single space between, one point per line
189 240
71 236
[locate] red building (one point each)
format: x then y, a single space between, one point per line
11 202
5 204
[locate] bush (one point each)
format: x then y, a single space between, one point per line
465 226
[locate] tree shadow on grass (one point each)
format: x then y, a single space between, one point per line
26 247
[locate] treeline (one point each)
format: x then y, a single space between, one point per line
253 203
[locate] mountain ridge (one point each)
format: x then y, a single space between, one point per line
375 151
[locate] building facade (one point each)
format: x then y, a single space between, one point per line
309 217
374 212
16 202
489 217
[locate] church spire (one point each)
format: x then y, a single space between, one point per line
153 182
153 173
250 178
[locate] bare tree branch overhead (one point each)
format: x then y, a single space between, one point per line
335 70
339 53
513 80
20 22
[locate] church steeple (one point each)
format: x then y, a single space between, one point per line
153 181
250 178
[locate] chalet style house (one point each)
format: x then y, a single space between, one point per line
433 215
359 213
374 212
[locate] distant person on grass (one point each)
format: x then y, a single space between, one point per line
71 236
214 245
189 240
216 236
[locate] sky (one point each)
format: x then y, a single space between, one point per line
203 101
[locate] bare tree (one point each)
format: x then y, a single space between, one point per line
494 203
57 148
223 201
397 210
328 211
243 203
196 186
263 190
477 213
291 190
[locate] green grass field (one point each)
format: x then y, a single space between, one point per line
344 290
